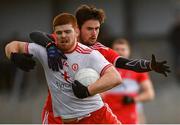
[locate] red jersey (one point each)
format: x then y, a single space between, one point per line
127 114
107 52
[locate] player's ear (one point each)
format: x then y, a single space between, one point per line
77 31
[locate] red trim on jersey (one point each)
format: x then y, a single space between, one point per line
114 63
107 52
105 68
83 50
98 45
26 48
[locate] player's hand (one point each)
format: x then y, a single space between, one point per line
23 61
55 57
159 67
80 90
128 100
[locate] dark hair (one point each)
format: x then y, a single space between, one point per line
85 12
64 18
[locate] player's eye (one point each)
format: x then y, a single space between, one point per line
68 31
58 32
89 28
97 28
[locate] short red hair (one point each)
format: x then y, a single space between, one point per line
64 18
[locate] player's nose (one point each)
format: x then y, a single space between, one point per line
94 32
63 34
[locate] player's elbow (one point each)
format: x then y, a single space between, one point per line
8 48
11 47
151 95
117 78
113 76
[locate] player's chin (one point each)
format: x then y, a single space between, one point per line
64 47
92 42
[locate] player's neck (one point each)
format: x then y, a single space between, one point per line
72 48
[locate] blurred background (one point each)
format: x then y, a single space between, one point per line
152 26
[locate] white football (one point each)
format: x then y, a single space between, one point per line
87 76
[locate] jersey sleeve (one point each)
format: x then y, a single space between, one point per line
98 62
110 55
142 77
37 51
31 48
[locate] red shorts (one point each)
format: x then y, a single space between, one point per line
47 113
48 118
103 115
127 114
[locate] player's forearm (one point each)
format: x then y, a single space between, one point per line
145 95
137 65
11 47
14 47
41 38
110 79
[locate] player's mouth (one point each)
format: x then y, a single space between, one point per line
93 38
64 41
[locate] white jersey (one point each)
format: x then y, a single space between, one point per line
64 102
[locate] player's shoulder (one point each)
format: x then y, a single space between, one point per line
98 46
83 49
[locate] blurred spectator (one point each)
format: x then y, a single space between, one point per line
174 39
125 100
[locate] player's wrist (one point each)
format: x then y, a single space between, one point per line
89 91
14 56
50 44
80 91
11 57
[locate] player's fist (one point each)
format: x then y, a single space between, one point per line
128 100
80 90
23 61
55 56
159 67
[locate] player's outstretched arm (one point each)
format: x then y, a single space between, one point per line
15 51
54 55
142 65
41 38
108 80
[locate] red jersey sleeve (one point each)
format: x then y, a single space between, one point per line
109 54
142 77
